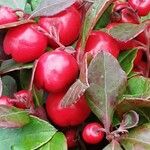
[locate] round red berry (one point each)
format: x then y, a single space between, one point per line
56 71
5 100
25 43
69 116
7 15
92 133
66 25
23 99
99 41
71 138
129 16
141 6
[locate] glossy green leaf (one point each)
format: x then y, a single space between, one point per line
1 87
130 120
138 138
104 19
38 96
35 3
25 77
17 23
137 104
132 74
75 91
51 7
79 87
107 82
114 145
15 4
11 117
126 31
28 8
126 59
137 97
58 142
10 65
144 18
9 85
92 16
31 136
138 87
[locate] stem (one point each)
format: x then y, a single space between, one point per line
32 77
89 22
148 52
51 36
117 134
36 98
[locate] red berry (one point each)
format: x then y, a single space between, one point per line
67 25
124 13
69 116
129 16
112 25
4 100
71 138
138 58
142 36
56 71
128 45
141 6
25 43
118 6
140 68
122 44
92 133
23 99
99 41
7 15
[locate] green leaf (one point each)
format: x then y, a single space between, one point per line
31 136
17 23
9 86
79 87
137 104
132 74
130 120
35 3
15 4
126 59
28 8
92 16
138 138
10 65
137 97
38 96
58 142
51 7
145 18
11 117
75 91
107 82
138 87
114 145
104 19
126 31
25 77
1 87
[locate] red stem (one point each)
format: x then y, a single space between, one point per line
148 53
50 36
33 73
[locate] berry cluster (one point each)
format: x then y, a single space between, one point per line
57 69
